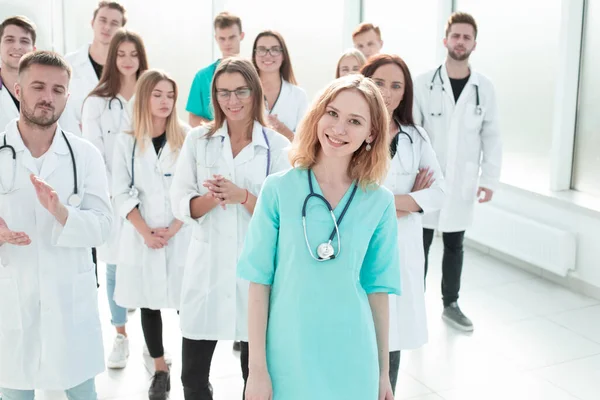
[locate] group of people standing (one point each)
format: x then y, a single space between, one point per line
190 216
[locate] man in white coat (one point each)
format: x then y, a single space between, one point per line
457 107
54 207
17 37
88 62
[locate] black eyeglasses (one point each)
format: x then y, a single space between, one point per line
240 93
274 51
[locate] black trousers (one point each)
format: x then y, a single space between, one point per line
153 332
452 262
394 368
196 360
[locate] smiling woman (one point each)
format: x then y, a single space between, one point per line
304 242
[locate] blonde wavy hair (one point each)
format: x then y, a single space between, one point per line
368 168
142 116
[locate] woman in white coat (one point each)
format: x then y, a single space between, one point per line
153 244
219 175
286 102
416 180
107 112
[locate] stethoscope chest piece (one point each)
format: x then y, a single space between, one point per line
134 192
74 200
325 251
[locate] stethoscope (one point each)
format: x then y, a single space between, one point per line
133 191
325 250
74 199
394 149
216 158
269 110
118 125
438 74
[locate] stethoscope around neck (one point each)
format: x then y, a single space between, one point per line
133 191
438 74
222 145
74 199
394 149
325 251
121 109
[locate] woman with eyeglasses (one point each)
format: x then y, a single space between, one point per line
285 102
220 173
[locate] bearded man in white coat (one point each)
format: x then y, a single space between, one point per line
54 206
457 107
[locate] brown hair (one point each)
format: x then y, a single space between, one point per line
360 57
461 18
43 57
286 70
244 67
114 5
225 20
367 167
404 112
110 81
142 116
366 27
22 22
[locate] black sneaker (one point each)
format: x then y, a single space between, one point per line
160 386
456 318
237 346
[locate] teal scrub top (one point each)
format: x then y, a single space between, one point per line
199 99
321 341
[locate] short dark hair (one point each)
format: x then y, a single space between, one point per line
461 18
22 22
43 57
225 20
114 5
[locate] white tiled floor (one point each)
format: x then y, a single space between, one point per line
532 340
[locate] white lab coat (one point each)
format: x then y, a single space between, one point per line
291 105
50 333
8 110
214 301
83 81
147 277
101 126
468 145
408 318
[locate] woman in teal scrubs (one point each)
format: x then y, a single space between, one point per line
318 324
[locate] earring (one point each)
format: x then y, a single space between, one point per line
368 148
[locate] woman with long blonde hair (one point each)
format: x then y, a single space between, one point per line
219 175
321 257
105 114
153 242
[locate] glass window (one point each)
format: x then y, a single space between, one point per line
586 166
408 29
518 49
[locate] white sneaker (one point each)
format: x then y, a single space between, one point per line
168 358
120 353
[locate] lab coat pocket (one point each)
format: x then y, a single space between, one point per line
470 181
472 118
10 306
85 304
